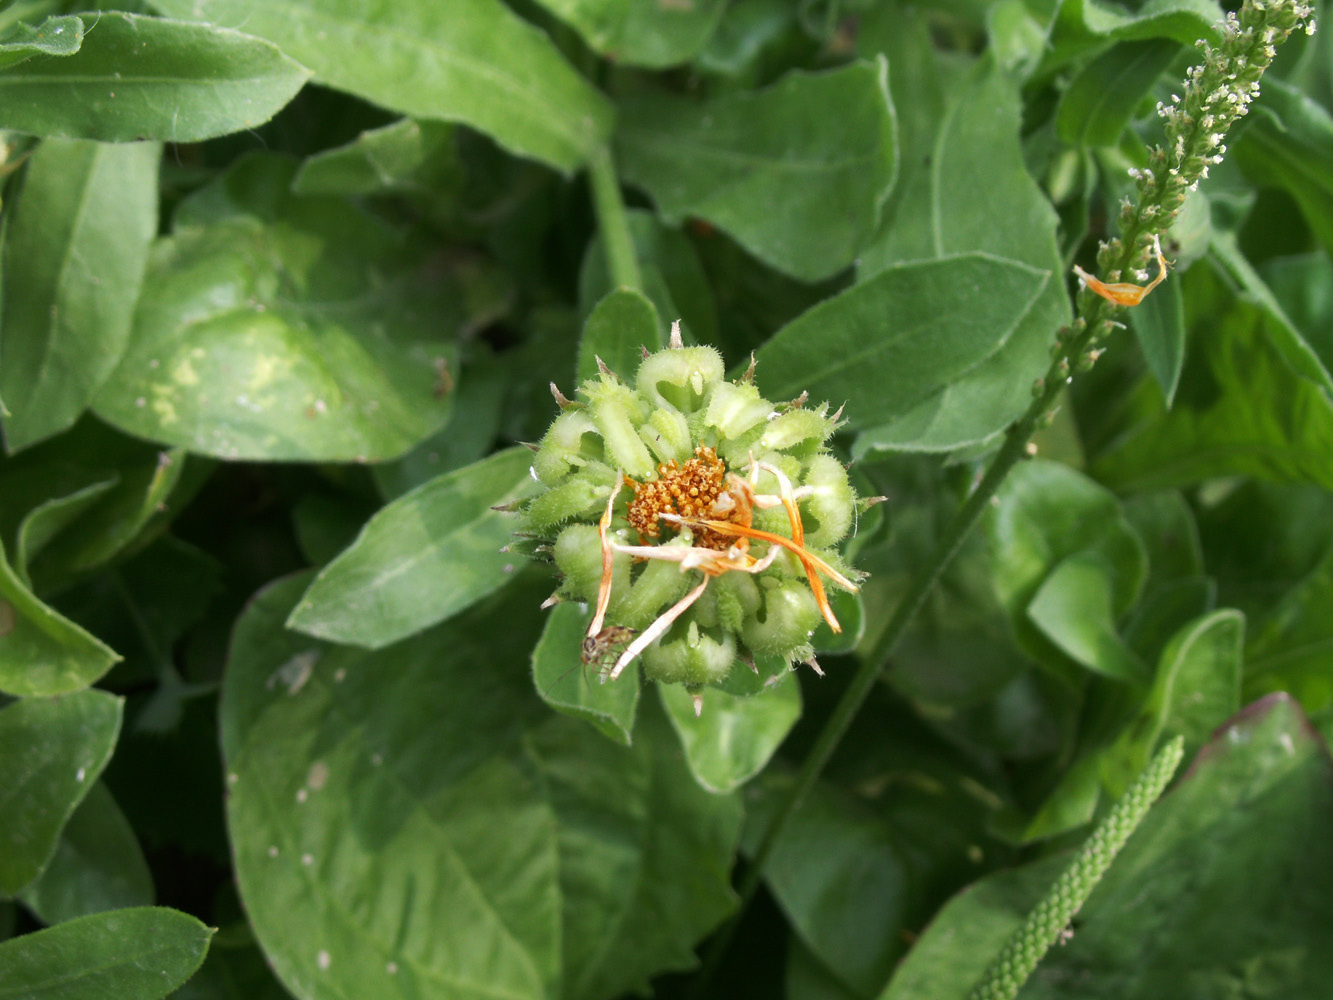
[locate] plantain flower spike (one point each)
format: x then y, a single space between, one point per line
698 520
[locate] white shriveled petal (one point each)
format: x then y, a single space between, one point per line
656 629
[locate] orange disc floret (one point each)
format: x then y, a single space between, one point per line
689 490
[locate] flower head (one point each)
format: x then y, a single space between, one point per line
697 518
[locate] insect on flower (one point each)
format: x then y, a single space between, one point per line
1124 293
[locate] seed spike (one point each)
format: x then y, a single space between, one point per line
749 372
563 401
698 699
675 342
606 372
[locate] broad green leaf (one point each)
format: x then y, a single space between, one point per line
904 339
821 146
51 752
470 61
56 36
51 516
41 651
407 156
415 821
1292 644
75 249
575 688
729 739
1073 608
1100 100
618 330
975 195
136 954
426 556
1289 143
1223 890
234 970
632 33
1168 528
673 278
97 866
279 327
1159 325
1240 410
1046 514
138 77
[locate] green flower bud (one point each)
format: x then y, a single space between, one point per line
716 510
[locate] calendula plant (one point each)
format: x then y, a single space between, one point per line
326 637
715 484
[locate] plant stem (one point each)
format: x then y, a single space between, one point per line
613 223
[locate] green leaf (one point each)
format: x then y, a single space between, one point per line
426 556
618 330
1048 513
1080 26
140 77
51 752
1159 325
1072 607
1099 102
470 61
97 865
41 651
279 327
575 688
975 195
136 954
1196 689
56 36
1240 410
1224 888
1221 891
903 339
641 34
76 246
234 970
1289 650
821 145
730 738
406 156
1289 143
415 818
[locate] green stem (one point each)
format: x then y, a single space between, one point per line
613 223
1013 449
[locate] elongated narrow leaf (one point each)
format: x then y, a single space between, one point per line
279 327
470 61
424 557
416 820
634 33
575 688
51 752
974 195
135 954
74 255
822 146
97 866
904 337
41 651
56 36
139 77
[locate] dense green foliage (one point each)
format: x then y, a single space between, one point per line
284 289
